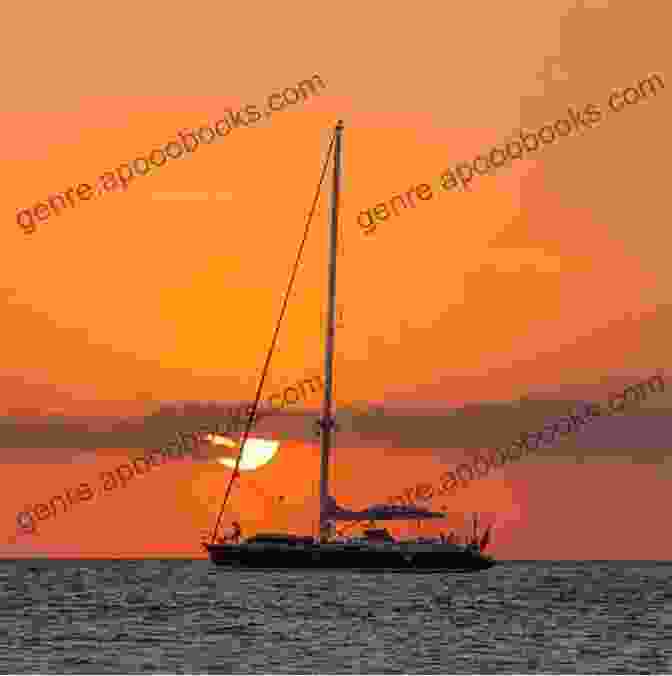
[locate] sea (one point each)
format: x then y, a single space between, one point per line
190 617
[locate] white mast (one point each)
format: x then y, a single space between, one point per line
327 422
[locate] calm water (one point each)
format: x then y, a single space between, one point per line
189 617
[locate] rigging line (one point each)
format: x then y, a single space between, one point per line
252 413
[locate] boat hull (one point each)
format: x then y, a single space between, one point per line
330 556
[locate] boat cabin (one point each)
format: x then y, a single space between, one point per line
280 539
378 535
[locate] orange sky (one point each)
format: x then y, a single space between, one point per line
553 271
584 511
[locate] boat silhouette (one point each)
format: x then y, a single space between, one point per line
376 548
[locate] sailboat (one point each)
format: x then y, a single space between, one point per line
377 548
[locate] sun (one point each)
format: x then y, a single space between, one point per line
257 452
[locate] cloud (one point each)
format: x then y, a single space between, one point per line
191 196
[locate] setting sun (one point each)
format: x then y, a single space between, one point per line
257 452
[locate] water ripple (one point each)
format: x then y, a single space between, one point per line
189 617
